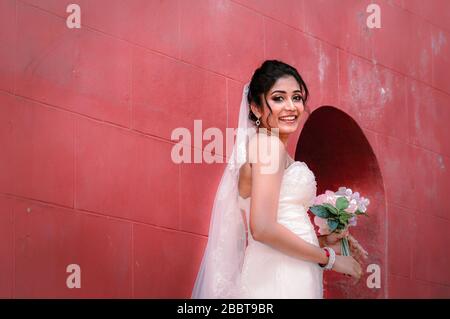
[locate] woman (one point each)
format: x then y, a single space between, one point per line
261 242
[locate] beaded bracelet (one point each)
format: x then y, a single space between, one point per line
331 258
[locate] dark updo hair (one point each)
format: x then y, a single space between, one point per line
265 77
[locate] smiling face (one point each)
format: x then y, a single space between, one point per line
286 101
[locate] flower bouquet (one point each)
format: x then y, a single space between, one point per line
336 211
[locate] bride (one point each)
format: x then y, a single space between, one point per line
261 242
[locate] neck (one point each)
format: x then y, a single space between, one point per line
283 137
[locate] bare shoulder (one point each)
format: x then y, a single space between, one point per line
260 138
262 143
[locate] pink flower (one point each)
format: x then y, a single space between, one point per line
330 198
319 200
352 207
323 225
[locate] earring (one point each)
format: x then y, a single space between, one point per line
257 122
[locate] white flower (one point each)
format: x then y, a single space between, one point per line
363 203
344 191
355 196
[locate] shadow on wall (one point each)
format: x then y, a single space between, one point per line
337 151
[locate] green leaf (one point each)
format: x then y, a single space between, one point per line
342 203
320 211
331 208
333 224
343 219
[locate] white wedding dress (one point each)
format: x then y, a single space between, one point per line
269 273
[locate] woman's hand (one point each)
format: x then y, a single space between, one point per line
333 241
356 249
348 265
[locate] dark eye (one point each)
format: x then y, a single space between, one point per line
296 98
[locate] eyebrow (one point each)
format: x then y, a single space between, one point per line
280 91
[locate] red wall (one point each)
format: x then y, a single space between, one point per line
86 116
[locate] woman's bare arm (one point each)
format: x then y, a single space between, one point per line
264 205
245 183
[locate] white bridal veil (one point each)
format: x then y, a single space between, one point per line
220 269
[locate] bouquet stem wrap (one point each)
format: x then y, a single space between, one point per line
345 247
